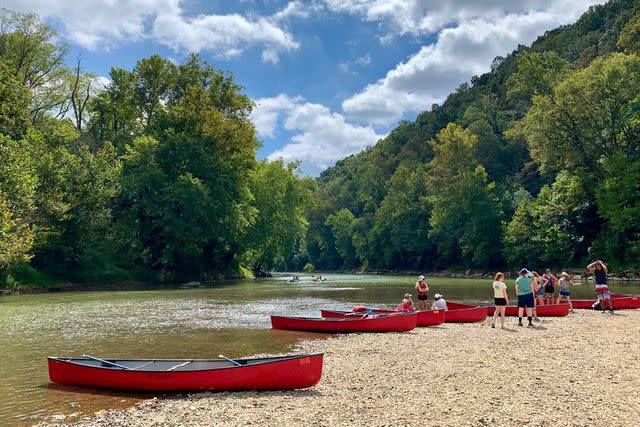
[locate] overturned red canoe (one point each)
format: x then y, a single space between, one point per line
464 313
423 318
553 310
393 323
164 375
619 302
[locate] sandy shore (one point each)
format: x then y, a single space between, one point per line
580 370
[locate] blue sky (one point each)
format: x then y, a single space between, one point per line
329 77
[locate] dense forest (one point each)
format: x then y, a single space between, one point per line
535 163
154 175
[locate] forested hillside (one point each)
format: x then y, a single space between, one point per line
153 176
536 162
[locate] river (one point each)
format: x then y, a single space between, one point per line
230 318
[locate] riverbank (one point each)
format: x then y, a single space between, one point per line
578 370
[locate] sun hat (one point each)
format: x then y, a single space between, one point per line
420 277
564 273
437 296
407 295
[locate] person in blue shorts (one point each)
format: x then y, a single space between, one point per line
524 290
565 284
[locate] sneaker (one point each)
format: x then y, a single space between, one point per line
493 326
520 324
530 325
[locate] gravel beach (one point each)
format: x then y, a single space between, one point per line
574 371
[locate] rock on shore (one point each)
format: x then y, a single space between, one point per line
574 371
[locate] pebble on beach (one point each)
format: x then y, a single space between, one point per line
574 371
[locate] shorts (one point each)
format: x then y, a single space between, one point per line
423 297
500 301
540 292
602 292
525 301
565 293
548 289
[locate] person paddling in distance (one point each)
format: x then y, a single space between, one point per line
501 299
600 271
423 293
524 290
565 291
549 286
439 303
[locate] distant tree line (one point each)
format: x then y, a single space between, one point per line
152 176
535 163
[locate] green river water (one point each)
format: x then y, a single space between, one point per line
230 319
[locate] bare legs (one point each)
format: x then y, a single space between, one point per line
501 310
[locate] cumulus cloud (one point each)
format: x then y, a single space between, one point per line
459 53
96 24
320 137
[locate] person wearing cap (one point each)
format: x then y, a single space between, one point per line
407 303
524 290
565 291
423 293
439 303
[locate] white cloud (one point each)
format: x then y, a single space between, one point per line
321 137
97 24
459 53
364 60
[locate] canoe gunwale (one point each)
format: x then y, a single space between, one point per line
260 361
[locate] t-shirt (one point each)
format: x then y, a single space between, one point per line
497 289
564 284
601 277
440 304
524 285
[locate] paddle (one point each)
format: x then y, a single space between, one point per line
229 360
86 356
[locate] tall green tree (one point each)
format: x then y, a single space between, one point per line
465 219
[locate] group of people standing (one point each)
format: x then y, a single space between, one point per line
534 290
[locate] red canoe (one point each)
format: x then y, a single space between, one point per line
424 318
398 323
619 302
464 313
553 310
168 375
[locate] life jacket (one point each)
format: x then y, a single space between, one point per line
359 309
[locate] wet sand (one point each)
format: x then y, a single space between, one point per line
574 371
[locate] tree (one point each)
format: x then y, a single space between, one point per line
34 56
592 115
629 40
401 228
465 219
550 228
280 202
537 74
342 226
